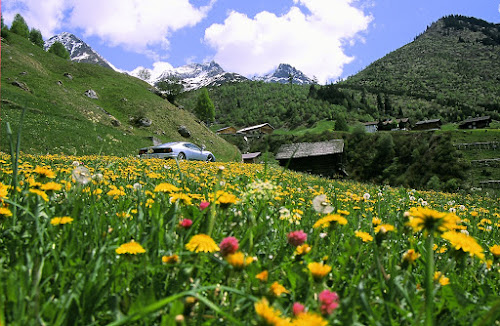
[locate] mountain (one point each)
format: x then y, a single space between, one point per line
282 75
450 71
195 75
60 117
79 51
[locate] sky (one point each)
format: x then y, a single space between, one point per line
326 39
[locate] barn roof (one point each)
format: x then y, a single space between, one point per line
428 121
484 118
225 128
299 150
254 127
249 156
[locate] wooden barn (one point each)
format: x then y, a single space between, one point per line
475 123
264 128
226 131
321 158
428 124
250 157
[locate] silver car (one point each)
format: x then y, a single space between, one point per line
179 150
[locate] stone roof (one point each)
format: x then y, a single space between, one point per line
299 150
249 156
485 118
247 129
428 121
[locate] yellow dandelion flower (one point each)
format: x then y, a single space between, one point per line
384 228
319 270
495 250
225 198
40 193
438 276
238 260
303 249
45 172
421 218
182 198
262 276
116 193
51 186
365 236
202 242
277 289
170 259
5 212
376 221
410 256
270 315
166 187
328 220
464 242
4 191
131 247
309 319
61 220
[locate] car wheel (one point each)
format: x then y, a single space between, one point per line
210 158
181 156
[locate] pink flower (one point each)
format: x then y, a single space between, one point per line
297 238
203 205
298 308
228 246
186 223
329 301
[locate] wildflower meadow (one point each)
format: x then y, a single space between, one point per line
121 241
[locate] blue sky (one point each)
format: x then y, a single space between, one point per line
327 39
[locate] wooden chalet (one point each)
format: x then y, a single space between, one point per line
321 158
250 157
226 131
475 123
428 124
264 128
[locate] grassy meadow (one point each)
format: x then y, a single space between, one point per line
93 240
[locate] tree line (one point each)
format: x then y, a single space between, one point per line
20 27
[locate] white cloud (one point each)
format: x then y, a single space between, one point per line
134 24
45 15
158 68
312 40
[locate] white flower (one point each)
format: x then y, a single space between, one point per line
366 196
81 175
321 205
322 235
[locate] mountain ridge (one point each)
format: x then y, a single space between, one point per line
79 51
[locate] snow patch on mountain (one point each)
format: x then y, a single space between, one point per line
283 74
192 76
79 51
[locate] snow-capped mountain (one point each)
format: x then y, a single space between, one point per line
79 51
282 75
196 75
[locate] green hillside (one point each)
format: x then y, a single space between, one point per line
451 71
61 119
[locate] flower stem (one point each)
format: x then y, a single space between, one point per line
429 282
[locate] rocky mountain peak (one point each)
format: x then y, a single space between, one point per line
79 51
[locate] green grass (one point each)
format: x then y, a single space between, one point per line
60 118
318 128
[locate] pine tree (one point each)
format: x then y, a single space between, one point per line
205 108
36 37
19 26
58 49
